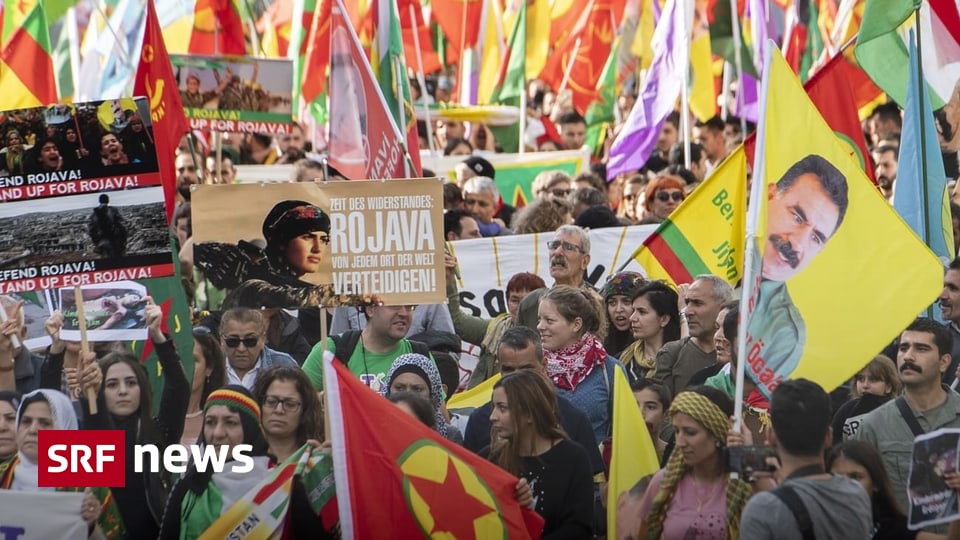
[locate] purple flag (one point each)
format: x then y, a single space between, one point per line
756 16
661 88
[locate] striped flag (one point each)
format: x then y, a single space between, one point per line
26 66
704 235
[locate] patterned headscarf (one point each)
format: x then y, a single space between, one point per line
625 283
425 368
709 415
288 220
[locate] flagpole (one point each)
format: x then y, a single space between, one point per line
753 217
523 115
685 90
400 78
725 92
738 63
421 80
924 202
566 72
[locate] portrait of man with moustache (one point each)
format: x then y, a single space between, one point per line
804 210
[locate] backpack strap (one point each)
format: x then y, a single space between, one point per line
344 344
909 418
421 348
789 497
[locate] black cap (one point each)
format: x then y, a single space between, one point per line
480 166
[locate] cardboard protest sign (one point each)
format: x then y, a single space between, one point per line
113 311
931 501
235 93
515 172
487 264
303 244
82 196
40 515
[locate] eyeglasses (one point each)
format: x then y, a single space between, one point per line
288 404
560 192
567 246
664 196
248 342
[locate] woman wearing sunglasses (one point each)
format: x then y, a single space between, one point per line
664 195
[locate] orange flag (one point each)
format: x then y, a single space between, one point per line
155 80
460 22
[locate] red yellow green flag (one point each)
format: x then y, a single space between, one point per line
395 474
704 235
26 65
817 232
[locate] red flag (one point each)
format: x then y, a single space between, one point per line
217 28
595 34
364 140
831 92
409 25
155 80
317 53
395 474
460 22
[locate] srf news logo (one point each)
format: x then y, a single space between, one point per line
97 458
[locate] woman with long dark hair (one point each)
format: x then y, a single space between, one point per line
527 441
655 320
618 293
209 373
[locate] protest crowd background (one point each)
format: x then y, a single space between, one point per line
675 293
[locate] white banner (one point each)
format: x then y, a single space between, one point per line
487 264
41 515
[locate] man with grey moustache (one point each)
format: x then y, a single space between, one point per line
923 354
569 256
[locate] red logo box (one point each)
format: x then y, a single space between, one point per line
81 458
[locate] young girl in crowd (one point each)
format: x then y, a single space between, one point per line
209 373
860 461
654 400
655 320
618 293
290 409
125 402
873 386
50 409
418 374
694 496
526 441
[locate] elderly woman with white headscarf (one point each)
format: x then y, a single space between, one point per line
50 409
418 374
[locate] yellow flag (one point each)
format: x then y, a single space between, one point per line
634 455
836 274
477 396
704 235
703 94
491 54
641 47
538 33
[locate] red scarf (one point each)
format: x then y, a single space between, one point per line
569 366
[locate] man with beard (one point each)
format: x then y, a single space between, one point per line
948 123
885 156
949 301
569 256
923 354
804 210
186 176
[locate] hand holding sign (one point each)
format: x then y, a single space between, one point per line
153 316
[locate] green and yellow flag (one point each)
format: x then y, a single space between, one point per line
704 235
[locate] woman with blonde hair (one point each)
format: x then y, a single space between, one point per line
870 388
694 496
542 215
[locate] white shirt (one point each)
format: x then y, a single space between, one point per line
248 379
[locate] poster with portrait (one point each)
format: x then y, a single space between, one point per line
112 311
931 501
330 244
82 197
822 232
235 93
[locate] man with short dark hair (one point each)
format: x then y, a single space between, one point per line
923 355
458 224
520 349
949 302
885 157
573 130
835 506
711 137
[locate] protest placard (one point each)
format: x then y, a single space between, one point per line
35 310
113 311
487 264
82 196
931 500
235 93
40 515
340 243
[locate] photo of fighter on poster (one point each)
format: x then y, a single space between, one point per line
82 197
113 311
309 244
931 501
235 93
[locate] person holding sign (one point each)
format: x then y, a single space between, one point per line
804 210
50 409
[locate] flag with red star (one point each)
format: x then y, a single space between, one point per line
399 478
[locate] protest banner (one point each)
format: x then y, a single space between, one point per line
83 203
931 501
36 309
41 515
308 244
113 311
486 264
515 172
235 93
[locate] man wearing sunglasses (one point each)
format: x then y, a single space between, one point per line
569 252
804 210
242 336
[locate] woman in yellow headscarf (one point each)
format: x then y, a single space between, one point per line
694 496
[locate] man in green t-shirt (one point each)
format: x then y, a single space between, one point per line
379 344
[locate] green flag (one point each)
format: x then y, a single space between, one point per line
512 80
600 112
880 51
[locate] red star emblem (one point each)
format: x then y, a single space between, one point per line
454 509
